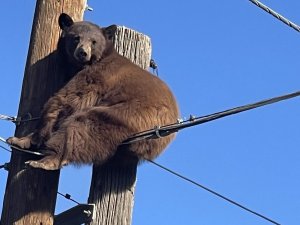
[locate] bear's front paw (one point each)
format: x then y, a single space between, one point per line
24 142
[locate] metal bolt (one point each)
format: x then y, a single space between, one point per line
88 8
87 212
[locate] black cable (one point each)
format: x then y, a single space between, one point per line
6 149
193 121
169 129
68 196
213 192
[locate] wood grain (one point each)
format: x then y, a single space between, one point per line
31 194
112 187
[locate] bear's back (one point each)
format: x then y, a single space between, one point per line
146 101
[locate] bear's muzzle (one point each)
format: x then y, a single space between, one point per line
83 53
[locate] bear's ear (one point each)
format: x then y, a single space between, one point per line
65 21
110 31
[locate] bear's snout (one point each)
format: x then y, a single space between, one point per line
83 54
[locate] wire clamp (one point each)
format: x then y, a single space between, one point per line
180 120
87 212
154 66
192 118
157 129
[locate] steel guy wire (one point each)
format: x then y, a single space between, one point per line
8 118
19 149
213 192
18 119
276 15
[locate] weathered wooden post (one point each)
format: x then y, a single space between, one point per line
30 193
112 186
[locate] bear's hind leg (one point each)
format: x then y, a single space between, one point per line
87 137
47 163
90 136
23 142
53 150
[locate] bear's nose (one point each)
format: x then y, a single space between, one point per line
81 53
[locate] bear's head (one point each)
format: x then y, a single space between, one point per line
83 43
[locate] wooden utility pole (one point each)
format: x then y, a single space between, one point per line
112 187
30 194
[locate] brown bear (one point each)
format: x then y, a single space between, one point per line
108 100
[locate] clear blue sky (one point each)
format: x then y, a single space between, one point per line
213 55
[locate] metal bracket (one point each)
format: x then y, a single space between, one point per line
5 166
77 215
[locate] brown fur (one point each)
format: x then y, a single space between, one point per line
99 108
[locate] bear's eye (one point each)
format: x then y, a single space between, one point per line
76 39
93 42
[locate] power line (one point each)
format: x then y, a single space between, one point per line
276 15
68 196
166 130
213 192
6 167
6 149
193 121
